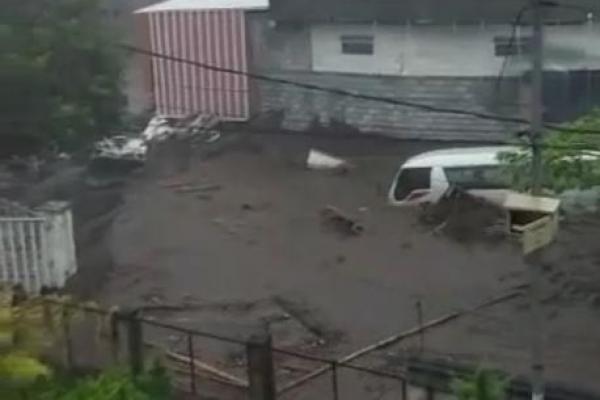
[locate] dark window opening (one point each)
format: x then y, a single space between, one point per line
357 44
479 177
411 179
507 46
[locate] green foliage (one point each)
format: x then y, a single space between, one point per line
481 385
18 371
59 73
110 385
567 161
26 328
20 344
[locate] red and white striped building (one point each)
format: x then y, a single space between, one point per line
211 32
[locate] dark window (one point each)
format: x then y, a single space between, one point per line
479 177
507 46
357 44
412 179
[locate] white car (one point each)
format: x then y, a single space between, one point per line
426 177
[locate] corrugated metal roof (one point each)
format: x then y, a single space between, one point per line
182 5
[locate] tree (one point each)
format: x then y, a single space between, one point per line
59 71
571 160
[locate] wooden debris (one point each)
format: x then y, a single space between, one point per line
302 316
212 372
342 221
209 369
172 184
198 188
294 368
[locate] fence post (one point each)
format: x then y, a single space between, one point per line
48 317
419 308
65 320
134 341
334 380
261 377
404 390
190 340
429 393
113 335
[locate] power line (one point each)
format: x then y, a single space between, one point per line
353 94
513 36
518 21
332 90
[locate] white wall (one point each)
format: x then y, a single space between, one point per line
448 51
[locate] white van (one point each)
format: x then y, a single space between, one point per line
426 177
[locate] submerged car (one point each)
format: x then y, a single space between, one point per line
425 178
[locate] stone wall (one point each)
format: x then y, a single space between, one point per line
300 109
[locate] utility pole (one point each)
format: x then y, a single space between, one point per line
537 44
537 52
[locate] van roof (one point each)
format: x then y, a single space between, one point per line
459 156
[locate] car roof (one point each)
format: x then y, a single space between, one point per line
459 156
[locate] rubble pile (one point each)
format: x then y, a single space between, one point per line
464 217
162 128
200 127
121 148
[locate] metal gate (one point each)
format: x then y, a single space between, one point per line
38 251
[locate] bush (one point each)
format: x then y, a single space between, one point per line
481 385
109 385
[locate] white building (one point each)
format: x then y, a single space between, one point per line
439 52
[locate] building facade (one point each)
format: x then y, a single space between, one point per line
464 54
448 54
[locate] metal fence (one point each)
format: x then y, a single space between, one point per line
202 364
209 364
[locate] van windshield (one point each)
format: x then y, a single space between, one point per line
411 179
477 177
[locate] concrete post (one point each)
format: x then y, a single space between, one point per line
135 342
60 243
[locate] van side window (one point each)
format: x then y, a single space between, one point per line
477 177
411 179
